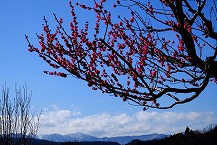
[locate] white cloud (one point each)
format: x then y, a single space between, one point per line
105 124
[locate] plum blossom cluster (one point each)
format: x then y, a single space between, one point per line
145 55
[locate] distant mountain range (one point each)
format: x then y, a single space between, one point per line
81 137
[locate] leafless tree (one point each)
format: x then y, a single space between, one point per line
17 125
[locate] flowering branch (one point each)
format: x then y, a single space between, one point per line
162 49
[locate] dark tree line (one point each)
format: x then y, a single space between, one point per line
189 137
90 143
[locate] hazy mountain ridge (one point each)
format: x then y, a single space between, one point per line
81 137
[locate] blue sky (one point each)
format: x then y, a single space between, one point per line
68 105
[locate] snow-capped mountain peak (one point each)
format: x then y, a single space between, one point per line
80 137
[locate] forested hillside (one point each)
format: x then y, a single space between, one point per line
206 137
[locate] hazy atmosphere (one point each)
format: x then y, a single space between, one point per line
68 105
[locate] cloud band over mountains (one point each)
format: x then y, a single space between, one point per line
105 124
